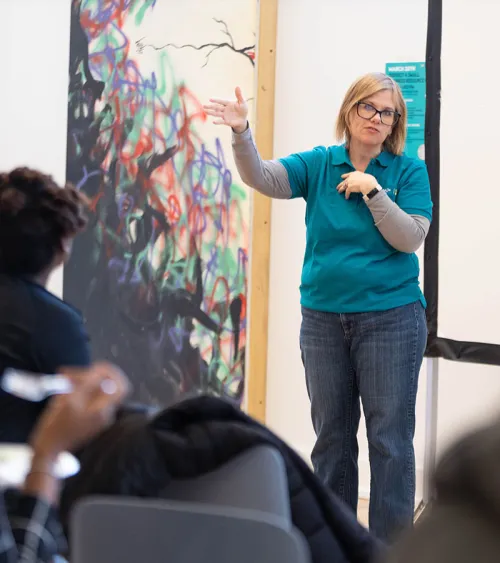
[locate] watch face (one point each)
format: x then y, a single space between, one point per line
373 193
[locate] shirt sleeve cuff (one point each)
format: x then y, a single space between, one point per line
242 138
378 198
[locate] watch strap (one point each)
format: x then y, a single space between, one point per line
373 193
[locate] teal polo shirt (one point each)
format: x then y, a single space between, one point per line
348 265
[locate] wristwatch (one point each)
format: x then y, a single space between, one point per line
373 193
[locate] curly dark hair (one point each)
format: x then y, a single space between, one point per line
36 216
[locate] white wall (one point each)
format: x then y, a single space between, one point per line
476 319
34 42
322 46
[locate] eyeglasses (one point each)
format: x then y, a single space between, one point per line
387 116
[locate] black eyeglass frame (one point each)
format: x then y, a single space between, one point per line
380 112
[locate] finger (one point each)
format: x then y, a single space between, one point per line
213 113
77 376
111 373
83 380
72 372
219 101
111 393
239 95
90 382
213 107
104 403
219 122
346 175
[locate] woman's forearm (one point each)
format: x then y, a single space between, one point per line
268 177
402 231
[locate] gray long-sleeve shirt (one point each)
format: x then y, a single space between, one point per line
402 231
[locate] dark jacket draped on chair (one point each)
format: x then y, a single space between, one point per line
196 437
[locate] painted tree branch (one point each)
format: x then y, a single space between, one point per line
247 52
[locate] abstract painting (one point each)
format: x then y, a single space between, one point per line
161 273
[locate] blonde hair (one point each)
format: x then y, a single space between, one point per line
360 90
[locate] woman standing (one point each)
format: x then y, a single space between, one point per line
363 332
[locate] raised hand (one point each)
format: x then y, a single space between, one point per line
71 420
233 114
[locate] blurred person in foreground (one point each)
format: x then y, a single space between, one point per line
462 525
30 531
39 332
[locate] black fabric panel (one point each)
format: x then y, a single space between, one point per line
432 158
459 351
473 352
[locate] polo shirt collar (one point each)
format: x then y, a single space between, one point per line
340 155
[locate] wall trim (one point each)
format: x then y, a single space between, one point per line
258 317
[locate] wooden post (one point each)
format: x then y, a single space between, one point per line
261 217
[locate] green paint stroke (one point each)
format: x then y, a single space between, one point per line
201 181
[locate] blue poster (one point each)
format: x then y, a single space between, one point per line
411 80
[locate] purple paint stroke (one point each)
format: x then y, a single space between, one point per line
86 176
177 335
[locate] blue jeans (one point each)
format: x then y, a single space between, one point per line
375 357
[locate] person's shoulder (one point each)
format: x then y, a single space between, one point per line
408 163
415 171
309 155
14 298
337 155
405 169
10 285
60 337
322 149
308 162
51 305
336 150
320 155
323 154
39 327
